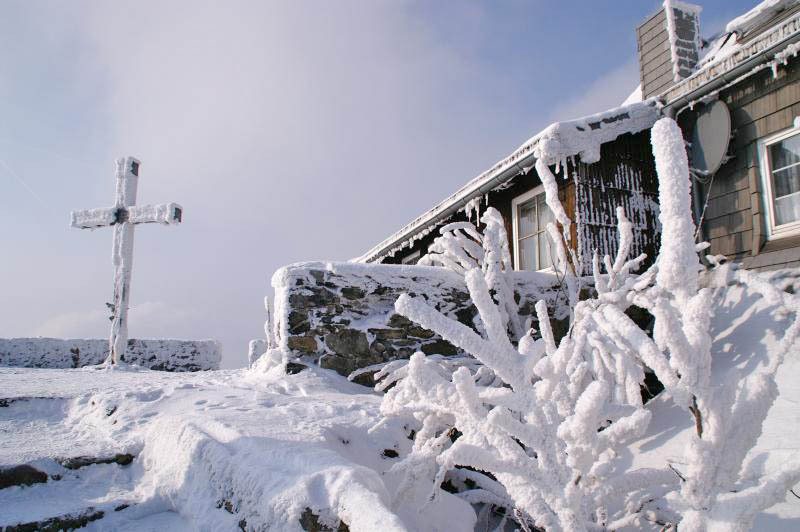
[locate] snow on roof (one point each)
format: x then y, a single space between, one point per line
635 96
734 52
554 144
584 136
758 15
727 42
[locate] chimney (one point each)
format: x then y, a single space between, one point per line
669 44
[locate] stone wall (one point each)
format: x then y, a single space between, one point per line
59 353
341 315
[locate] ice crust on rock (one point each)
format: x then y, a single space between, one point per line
342 316
161 354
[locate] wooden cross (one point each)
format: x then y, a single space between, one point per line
123 216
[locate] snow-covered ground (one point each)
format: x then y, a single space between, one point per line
213 451
263 450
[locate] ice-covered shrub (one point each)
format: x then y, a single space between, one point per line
540 437
461 248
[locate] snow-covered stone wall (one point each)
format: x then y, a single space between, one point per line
342 316
58 353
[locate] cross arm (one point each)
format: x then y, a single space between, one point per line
94 218
164 213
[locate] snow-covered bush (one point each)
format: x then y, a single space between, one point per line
538 428
462 248
459 248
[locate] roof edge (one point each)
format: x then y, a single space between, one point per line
557 142
731 67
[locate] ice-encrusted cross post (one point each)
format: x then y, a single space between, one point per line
123 216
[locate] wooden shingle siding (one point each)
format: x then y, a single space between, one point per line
732 245
656 21
625 176
655 57
777 254
658 26
656 70
732 177
657 42
662 83
728 203
734 221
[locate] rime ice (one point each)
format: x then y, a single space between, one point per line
123 216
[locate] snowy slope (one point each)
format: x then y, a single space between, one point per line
263 450
213 451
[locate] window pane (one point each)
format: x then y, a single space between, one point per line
527 218
545 215
544 252
527 253
786 181
787 209
785 152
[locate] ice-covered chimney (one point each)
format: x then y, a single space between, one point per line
669 44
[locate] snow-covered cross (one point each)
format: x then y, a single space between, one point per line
123 216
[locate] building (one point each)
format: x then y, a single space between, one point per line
748 202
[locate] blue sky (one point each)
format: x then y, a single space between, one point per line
289 131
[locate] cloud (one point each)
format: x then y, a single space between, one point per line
288 131
606 92
77 324
151 319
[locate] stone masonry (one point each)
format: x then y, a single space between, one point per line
341 315
157 354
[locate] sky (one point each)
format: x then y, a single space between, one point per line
288 131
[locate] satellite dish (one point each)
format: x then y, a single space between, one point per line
712 133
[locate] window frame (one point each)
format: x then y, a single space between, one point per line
768 198
515 203
415 256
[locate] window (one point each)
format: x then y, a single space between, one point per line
780 165
411 258
531 242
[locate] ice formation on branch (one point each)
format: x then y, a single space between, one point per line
541 436
560 241
462 248
548 434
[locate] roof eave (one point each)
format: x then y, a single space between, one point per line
730 69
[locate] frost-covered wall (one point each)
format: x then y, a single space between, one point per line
342 316
59 353
625 176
